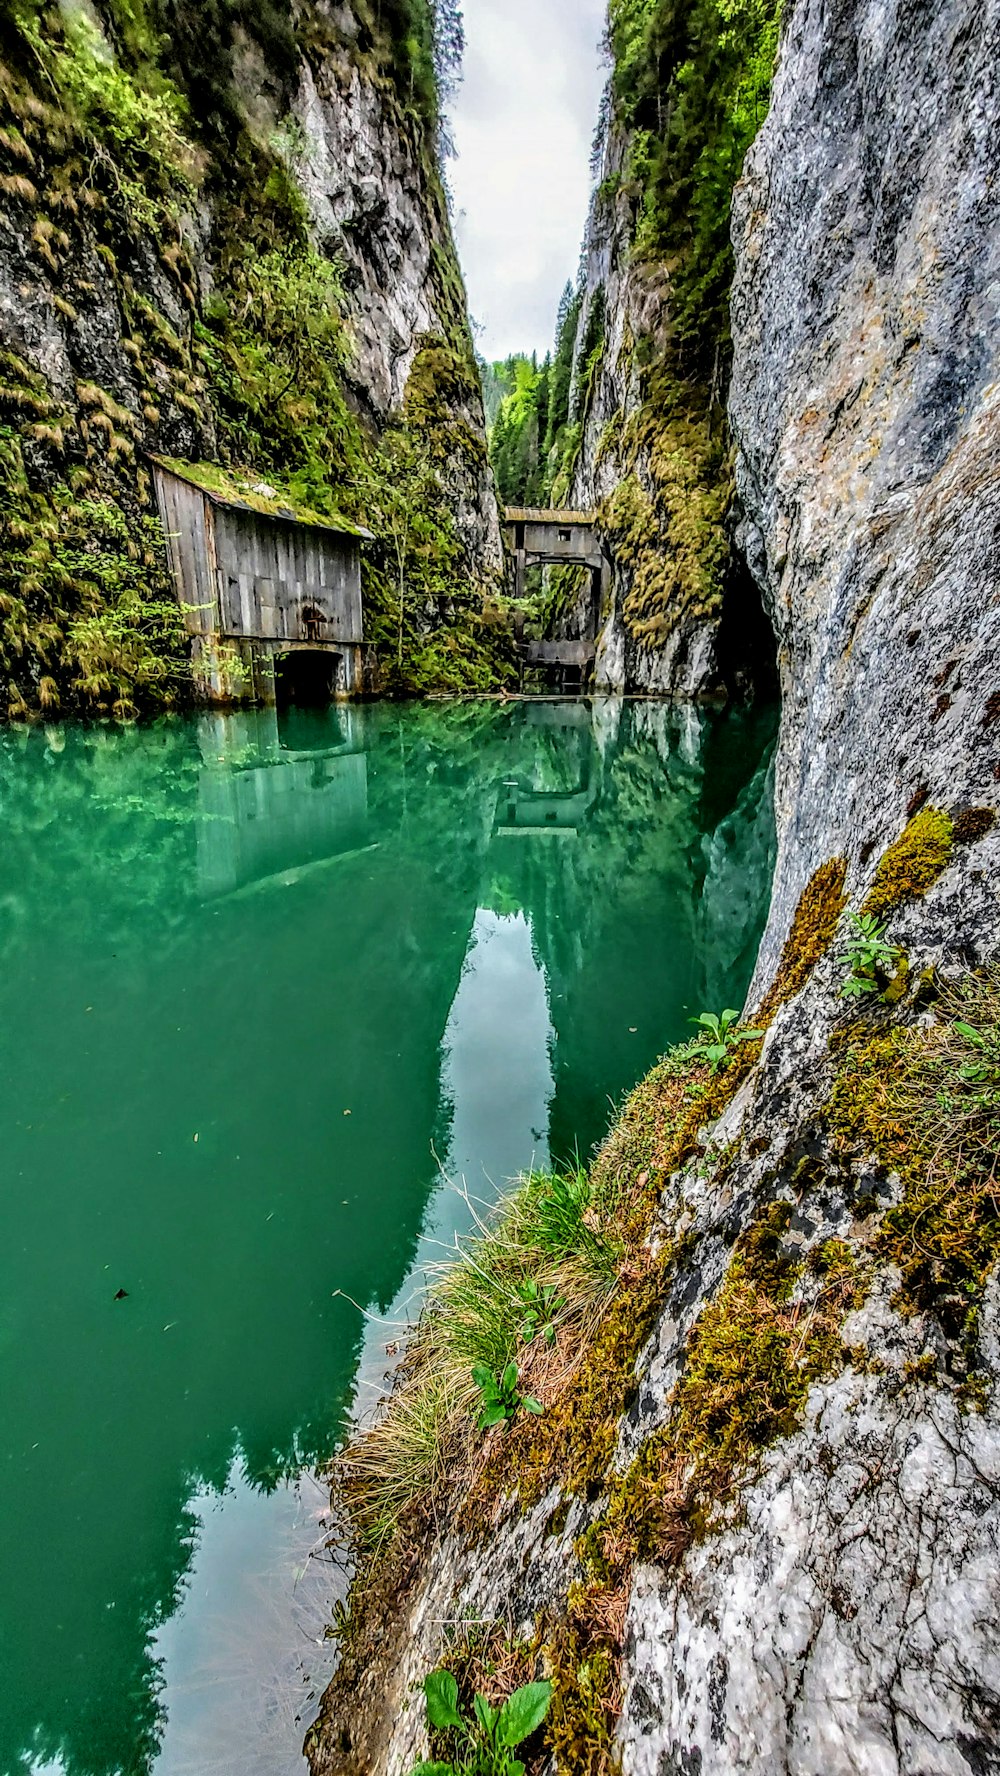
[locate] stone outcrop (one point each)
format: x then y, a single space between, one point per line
865 412
840 1616
376 204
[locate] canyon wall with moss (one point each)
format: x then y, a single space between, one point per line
649 449
224 237
756 1528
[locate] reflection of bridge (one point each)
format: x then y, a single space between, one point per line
541 538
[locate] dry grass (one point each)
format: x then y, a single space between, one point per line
550 1233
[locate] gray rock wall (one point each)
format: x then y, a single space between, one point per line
378 209
847 1620
864 408
635 301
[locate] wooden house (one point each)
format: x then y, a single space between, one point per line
271 596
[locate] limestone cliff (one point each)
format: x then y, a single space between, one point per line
224 237
649 448
658 631
757 1528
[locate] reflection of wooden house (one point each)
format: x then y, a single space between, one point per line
271 596
269 815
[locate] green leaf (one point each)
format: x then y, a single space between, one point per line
484 1378
493 1415
508 1380
441 1692
433 1770
971 1035
523 1712
531 1405
485 1715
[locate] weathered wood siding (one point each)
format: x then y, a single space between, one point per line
274 577
183 516
569 542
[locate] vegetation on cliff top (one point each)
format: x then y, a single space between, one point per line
689 89
530 411
222 340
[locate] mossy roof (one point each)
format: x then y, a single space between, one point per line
540 515
227 487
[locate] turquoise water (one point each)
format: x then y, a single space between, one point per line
268 993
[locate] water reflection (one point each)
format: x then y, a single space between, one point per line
267 809
258 980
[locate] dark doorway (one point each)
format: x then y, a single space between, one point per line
306 679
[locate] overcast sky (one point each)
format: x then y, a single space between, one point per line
523 122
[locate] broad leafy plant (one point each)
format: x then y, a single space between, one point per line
486 1741
983 1066
501 1395
867 956
542 1306
723 1036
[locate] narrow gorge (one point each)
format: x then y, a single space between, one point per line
696 1437
756 1526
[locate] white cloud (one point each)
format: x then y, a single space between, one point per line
523 123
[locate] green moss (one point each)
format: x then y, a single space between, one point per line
755 1351
664 521
925 1101
911 866
240 490
814 927
585 1663
441 391
657 1131
772 1331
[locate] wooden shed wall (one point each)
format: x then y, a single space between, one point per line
185 518
268 570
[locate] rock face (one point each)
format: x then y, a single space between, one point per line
643 644
848 1622
253 264
841 1617
376 206
865 412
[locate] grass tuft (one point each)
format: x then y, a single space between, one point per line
549 1233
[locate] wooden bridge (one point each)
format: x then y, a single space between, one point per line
538 537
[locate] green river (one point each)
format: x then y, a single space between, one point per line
270 991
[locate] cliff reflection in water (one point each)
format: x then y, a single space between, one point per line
254 978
